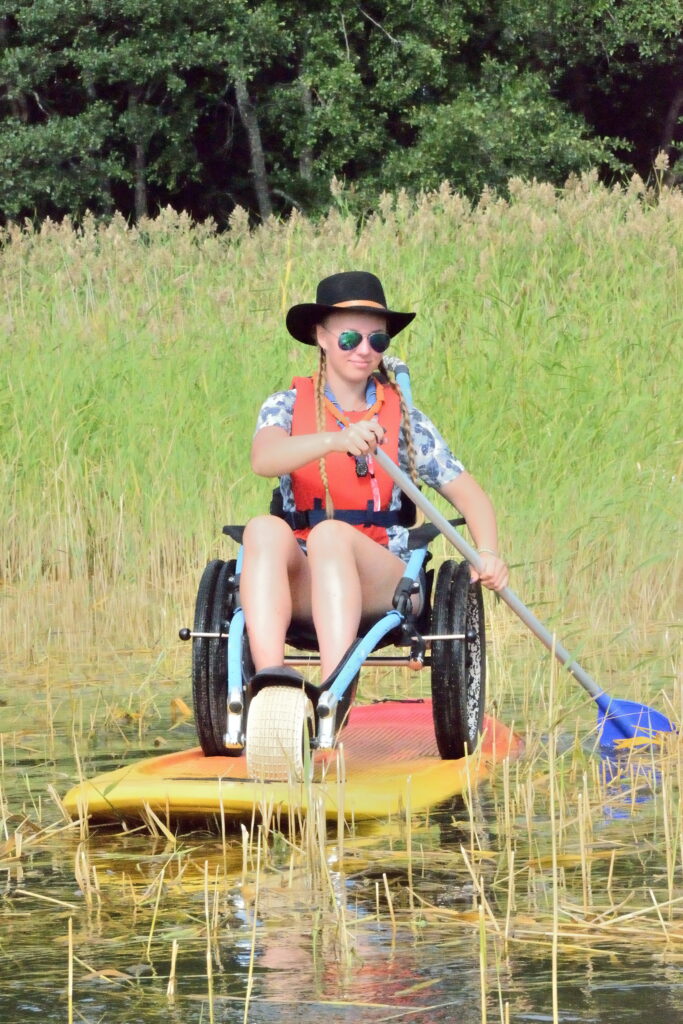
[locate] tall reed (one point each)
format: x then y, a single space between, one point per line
135 360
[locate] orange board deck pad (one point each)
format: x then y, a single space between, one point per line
386 758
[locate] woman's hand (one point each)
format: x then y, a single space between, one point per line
360 438
468 497
494 572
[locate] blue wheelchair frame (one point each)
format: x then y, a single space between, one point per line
398 618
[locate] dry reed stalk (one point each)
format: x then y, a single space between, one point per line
659 915
4 812
341 794
245 853
46 899
468 798
70 974
409 847
390 902
56 799
82 873
483 987
583 847
222 820
172 982
610 876
157 826
511 902
252 951
478 883
215 909
669 841
209 950
160 884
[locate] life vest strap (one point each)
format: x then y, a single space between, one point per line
305 520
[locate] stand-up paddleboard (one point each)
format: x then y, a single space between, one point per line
387 759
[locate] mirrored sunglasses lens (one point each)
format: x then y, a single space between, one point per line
349 340
379 341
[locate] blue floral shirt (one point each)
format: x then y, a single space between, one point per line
435 463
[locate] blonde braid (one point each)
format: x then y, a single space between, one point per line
320 421
405 424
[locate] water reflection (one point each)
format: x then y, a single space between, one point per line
630 777
387 928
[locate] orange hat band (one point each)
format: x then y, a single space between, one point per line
361 302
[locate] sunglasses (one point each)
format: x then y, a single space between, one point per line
379 341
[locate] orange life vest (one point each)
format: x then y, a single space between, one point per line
351 495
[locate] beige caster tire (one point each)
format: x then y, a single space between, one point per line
279 724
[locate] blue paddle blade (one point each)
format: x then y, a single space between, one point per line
626 719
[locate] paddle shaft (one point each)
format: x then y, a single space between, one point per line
506 594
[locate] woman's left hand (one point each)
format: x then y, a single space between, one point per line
494 572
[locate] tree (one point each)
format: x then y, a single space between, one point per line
123 82
508 125
618 65
119 104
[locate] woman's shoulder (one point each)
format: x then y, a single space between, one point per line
419 420
435 462
277 410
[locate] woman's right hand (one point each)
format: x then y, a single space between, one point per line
360 438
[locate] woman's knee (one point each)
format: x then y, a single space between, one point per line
266 531
330 537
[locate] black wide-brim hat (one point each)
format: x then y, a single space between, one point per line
354 291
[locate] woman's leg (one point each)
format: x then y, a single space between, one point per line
274 586
350 575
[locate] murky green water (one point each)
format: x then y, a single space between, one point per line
309 937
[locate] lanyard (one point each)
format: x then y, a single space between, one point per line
365 465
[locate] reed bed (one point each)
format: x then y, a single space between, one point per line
135 360
566 858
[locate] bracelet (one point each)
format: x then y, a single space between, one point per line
486 551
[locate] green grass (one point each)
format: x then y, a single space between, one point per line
546 347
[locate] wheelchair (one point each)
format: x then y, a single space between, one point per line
277 717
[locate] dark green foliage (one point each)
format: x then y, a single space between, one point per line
119 104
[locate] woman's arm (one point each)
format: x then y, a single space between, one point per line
275 452
475 505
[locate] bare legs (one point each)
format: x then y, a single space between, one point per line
350 575
345 575
274 587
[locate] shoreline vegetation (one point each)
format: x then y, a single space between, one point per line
545 348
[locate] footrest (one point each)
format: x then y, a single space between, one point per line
282 675
278 675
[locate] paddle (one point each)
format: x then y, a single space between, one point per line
617 719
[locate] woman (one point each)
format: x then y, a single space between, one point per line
326 564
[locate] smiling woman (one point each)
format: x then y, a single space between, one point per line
339 550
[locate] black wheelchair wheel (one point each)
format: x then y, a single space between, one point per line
458 666
203 616
223 607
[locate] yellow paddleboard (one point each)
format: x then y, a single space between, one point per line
386 759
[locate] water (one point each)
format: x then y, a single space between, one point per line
310 936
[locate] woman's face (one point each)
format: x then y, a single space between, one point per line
360 362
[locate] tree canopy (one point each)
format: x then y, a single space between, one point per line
119 104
